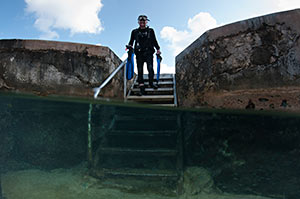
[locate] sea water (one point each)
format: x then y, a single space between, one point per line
58 147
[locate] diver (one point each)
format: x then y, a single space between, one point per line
145 42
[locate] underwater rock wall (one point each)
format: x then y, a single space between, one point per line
47 134
256 59
254 153
48 67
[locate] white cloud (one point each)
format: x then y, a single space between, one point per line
287 4
77 16
164 68
124 56
277 6
196 27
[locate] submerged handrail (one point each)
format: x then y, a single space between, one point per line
98 89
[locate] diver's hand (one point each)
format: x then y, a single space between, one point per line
158 52
129 47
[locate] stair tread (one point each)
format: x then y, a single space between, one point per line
151 97
161 76
161 152
142 133
169 105
159 83
146 117
140 172
152 89
160 80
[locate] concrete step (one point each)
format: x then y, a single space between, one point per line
151 91
142 133
131 151
154 90
161 76
163 96
142 114
142 140
165 105
160 83
146 117
151 98
146 123
139 172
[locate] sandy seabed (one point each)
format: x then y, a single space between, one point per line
75 184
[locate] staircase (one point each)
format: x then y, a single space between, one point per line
165 95
142 151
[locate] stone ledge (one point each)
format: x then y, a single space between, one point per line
290 18
281 98
91 50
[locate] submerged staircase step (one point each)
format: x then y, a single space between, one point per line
154 140
144 145
141 133
139 172
155 152
165 105
145 117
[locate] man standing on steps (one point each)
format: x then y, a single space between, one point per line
145 41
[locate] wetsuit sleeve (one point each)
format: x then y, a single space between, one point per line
132 37
154 41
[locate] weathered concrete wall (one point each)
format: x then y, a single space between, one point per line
257 59
48 67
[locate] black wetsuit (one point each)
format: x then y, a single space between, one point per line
145 42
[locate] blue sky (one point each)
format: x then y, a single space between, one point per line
109 22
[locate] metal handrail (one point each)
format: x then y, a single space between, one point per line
174 88
98 89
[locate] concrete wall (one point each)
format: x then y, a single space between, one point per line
257 59
49 67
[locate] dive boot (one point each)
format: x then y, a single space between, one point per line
142 91
155 86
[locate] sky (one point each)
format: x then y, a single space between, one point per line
110 22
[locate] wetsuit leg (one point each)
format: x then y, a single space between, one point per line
140 64
149 60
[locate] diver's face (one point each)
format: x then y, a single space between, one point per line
142 23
